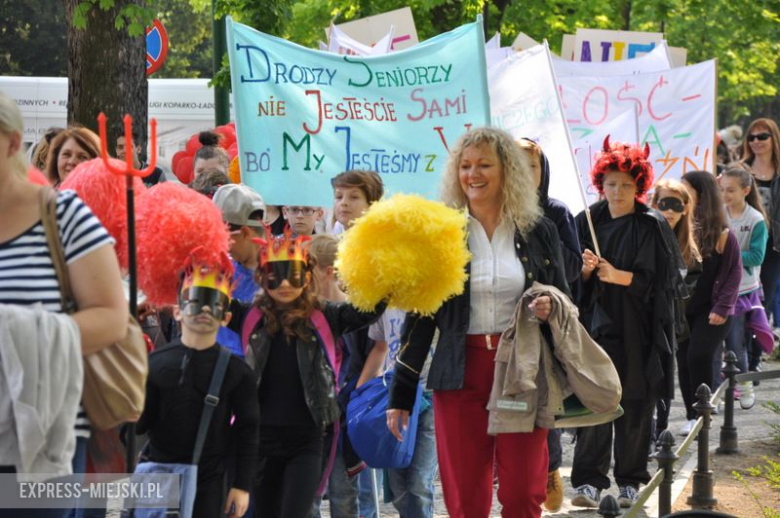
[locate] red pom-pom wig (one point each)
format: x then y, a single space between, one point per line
624 158
172 222
105 194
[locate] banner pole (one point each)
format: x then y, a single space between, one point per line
571 150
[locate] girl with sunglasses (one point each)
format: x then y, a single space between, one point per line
290 338
711 305
674 201
761 152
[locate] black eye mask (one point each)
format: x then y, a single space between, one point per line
193 300
293 272
671 203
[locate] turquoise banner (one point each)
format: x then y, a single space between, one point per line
303 116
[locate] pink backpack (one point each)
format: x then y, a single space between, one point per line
320 323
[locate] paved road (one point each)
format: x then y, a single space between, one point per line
751 425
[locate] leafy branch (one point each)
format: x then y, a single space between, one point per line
132 16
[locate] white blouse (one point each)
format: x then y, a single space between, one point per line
497 278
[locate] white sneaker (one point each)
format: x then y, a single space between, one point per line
587 496
687 427
628 495
748 398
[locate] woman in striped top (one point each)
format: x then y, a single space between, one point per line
27 274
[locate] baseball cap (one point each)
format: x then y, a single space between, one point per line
237 202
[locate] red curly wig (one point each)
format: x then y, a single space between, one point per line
624 158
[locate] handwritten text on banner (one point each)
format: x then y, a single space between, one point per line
304 116
675 108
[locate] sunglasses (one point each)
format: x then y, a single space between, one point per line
277 272
671 203
759 136
194 300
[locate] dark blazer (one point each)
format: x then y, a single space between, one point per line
540 254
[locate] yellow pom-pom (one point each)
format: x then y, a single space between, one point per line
407 250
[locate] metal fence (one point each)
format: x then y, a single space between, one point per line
702 494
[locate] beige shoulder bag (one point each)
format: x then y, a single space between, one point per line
114 377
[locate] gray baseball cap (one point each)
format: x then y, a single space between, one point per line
237 202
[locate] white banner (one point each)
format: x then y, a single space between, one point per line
524 101
676 114
655 61
624 127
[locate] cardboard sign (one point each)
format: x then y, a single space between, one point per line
304 116
654 61
602 45
371 29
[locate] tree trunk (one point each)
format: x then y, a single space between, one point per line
106 73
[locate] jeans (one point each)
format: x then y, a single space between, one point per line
80 466
366 488
342 492
412 487
737 340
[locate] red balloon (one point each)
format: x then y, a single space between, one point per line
184 170
233 151
37 177
228 136
176 157
193 145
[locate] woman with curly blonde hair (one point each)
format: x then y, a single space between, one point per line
512 246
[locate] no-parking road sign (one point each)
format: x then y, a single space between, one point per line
156 47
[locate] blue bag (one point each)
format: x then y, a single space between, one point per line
367 425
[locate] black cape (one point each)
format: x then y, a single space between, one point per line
635 324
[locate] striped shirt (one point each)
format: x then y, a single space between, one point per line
27 274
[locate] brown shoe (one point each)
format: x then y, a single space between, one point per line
554 491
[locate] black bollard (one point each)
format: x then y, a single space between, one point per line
702 496
609 507
729 442
665 457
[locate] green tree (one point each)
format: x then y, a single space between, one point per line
32 39
107 62
189 32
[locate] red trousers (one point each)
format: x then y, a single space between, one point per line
467 454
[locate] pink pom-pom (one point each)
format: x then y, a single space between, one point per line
172 221
105 193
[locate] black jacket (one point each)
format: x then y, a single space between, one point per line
557 212
542 260
317 376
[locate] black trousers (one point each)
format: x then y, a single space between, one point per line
593 451
770 270
554 449
290 471
210 496
695 357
